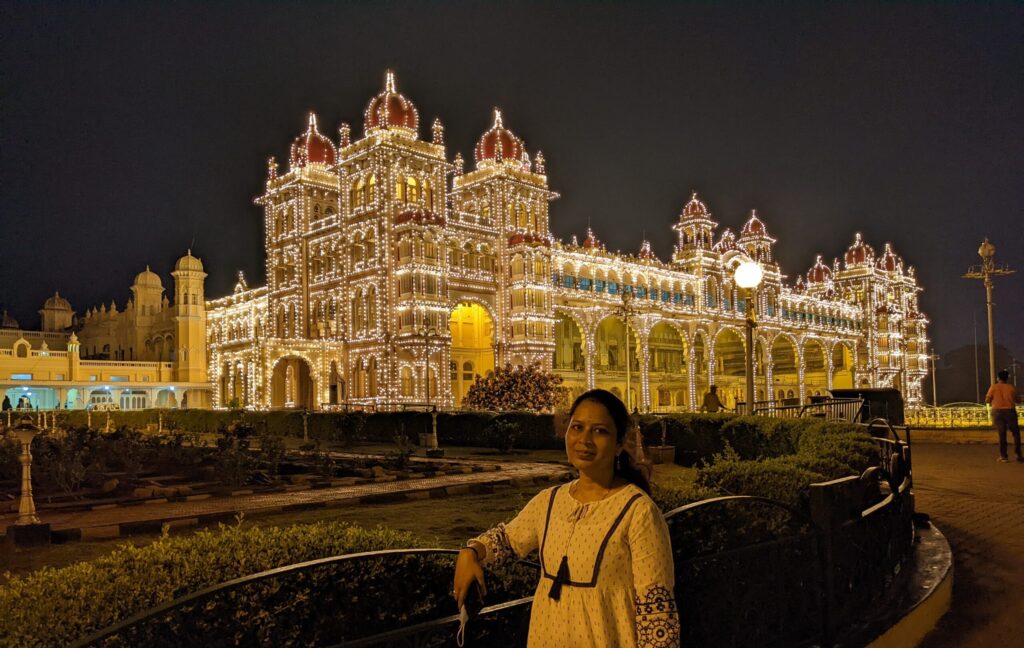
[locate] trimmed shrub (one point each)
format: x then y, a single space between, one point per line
778 478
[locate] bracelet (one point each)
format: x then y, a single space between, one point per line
476 554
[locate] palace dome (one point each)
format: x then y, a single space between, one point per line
189 263
859 252
754 226
57 302
695 208
312 148
819 272
148 279
389 109
890 261
499 140
726 243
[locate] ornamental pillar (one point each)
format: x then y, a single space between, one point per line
645 386
590 356
691 370
800 376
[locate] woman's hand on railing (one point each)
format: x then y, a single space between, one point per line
467 570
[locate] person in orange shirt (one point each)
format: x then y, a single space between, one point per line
1002 396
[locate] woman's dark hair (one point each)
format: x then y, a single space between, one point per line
626 466
1004 375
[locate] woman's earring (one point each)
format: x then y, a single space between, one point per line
618 462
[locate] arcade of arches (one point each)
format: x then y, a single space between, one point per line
292 384
678 368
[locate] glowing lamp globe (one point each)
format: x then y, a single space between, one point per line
749 275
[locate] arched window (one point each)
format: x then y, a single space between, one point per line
406 379
428 196
371 306
412 189
368 192
400 189
371 248
356 195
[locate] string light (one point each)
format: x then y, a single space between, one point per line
369 243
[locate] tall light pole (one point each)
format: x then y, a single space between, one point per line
986 272
429 335
626 311
748 276
935 400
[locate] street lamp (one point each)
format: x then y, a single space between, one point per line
429 334
987 271
627 311
28 530
748 276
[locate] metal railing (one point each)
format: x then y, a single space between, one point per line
838 409
350 600
960 416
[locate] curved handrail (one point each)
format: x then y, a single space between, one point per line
715 500
879 419
206 592
399 633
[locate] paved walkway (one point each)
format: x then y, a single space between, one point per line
979 505
116 521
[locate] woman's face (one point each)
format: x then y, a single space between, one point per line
590 441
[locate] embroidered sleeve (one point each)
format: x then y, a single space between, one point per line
657 619
520 536
499 549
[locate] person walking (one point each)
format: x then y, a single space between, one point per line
606 568
1002 396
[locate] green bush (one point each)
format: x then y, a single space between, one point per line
52 607
777 478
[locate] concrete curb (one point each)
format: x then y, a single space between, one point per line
913 611
156 525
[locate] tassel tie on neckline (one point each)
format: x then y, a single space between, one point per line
561 578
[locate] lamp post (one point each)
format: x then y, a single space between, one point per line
748 276
935 400
986 272
28 530
626 311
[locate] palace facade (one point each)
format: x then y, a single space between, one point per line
396 277
150 354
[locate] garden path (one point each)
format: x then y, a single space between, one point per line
187 512
979 505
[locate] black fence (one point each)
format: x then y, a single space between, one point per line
749 572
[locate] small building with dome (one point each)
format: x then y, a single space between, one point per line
151 352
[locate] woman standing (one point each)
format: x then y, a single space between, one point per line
606 560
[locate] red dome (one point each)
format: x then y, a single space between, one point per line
819 272
890 261
646 252
695 208
312 148
591 241
389 109
859 252
726 243
754 226
499 139
799 286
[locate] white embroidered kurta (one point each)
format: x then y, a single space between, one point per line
620 589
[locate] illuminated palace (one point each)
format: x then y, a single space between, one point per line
150 353
395 277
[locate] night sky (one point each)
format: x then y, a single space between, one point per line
129 132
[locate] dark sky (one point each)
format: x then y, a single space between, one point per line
129 130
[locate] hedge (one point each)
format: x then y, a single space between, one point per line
536 431
53 607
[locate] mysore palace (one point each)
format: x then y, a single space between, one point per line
396 277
